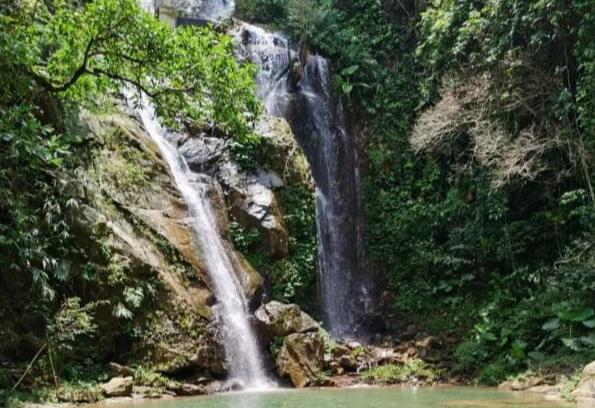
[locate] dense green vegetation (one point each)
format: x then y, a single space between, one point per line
58 60
478 137
475 119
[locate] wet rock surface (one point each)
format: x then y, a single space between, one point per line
117 370
585 391
278 319
118 387
301 358
251 195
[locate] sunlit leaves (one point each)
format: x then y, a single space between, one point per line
120 311
551 324
71 322
59 56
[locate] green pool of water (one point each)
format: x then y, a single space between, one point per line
441 397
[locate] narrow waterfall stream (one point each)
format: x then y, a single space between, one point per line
241 346
212 10
332 156
306 103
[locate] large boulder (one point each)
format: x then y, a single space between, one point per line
202 153
301 358
585 391
118 387
186 389
83 395
255 206
279 320
117 370
205 354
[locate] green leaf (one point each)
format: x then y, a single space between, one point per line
347 88
589 323
349 70
551 324
572 344
121 312
536 355
518 349
588 340
576 314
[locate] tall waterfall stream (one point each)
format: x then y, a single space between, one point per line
319 128
241 346
330 151
239 340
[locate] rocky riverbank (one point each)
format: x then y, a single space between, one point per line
304 355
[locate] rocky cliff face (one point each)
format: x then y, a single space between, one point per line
135 230
134 215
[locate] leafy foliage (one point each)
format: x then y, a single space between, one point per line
292 279
59 271
105 44
70 322
262 11
412 371
471 239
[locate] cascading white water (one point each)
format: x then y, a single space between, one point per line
302 95
318 125
241 347
271 53
240 342
332 156
212 10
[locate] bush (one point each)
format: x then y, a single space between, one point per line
412 371
493 374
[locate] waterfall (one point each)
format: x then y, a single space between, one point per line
332 156
212 10
300 92
304 99
241 346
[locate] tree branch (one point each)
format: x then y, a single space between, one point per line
80 71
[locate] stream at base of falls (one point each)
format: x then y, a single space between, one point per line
368 397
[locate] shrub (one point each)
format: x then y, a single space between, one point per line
412 371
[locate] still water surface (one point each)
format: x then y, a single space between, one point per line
441 397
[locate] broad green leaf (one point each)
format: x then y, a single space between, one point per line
589 323
121 312
588 340
536 355
571 343
347 88
551 324
576 314
518 349
349 70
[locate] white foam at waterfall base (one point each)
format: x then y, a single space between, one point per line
241 346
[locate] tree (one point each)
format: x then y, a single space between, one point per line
106 44
59 55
